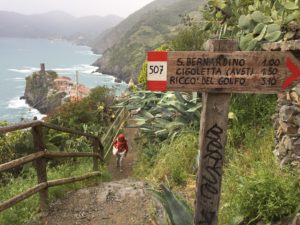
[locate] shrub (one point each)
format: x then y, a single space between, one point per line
91 110
254 187
250 110
268 195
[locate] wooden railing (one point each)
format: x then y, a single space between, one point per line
114 130
40 158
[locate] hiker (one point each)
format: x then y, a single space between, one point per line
120 149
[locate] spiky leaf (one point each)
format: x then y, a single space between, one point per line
180 97
162 132
194 109
146 114
177 211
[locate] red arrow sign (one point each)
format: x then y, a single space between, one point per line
295 73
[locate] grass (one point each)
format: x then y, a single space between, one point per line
28 209
170 161
254 188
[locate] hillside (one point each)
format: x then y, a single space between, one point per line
55 24
124 47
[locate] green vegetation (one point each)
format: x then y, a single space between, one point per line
178 211
253 22
250 111
163 115
92 115
27 210
171 162
146 30
254 187
37 91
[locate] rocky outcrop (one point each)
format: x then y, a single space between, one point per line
287 125
287 119
38 92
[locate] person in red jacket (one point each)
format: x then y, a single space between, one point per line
120 149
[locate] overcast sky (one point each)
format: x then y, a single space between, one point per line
121 8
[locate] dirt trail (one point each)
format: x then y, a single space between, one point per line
123 201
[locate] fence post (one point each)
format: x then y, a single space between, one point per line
41 165
96 150
101 148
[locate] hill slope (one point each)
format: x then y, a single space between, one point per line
54 24
124 47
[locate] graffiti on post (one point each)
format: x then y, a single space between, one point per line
211 176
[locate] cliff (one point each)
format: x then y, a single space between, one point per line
37 92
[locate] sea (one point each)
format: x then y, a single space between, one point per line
20 57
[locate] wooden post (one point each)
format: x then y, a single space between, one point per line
96 150
213 127
41 166
102 153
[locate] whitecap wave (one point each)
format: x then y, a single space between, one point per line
86 52
81 68
15 79
25 70
20 104
17 103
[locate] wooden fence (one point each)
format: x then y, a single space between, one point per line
99 154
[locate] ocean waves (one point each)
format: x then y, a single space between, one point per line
24 110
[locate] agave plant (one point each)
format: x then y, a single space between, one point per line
163 115
177 210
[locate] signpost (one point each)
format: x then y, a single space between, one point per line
217 73
223 72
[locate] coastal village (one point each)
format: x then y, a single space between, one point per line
46 90
73 90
